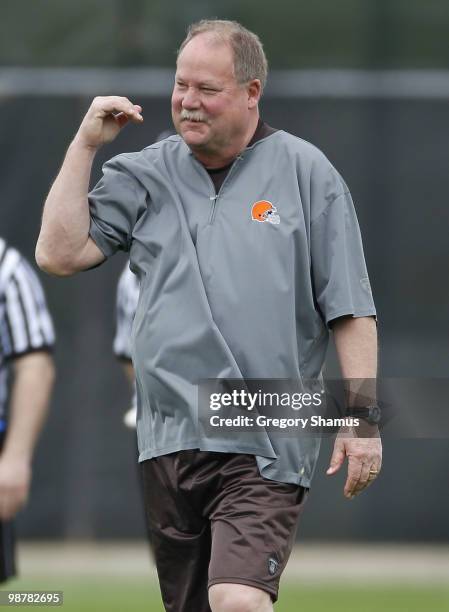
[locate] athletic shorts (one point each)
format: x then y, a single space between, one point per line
213 519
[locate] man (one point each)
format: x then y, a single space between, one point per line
247 248
26 339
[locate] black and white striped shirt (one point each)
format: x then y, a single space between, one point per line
25 323
127 298
126 306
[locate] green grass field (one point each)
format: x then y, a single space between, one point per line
133 595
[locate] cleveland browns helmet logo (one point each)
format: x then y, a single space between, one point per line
263 210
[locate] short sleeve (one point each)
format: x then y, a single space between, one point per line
115 203
25 324
340 277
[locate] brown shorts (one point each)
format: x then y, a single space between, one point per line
212 519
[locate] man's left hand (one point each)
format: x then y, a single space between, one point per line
364 459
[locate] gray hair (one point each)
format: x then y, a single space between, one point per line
250 61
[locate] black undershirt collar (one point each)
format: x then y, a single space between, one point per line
218 175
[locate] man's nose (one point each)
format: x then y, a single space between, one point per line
190 99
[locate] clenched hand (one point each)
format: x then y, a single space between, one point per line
105 118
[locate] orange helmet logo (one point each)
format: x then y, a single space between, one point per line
263 210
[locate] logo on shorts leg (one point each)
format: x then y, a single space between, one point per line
273 565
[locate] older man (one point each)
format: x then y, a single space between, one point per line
247 249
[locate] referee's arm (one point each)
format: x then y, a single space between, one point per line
30 395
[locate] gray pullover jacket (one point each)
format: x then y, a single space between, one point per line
238 285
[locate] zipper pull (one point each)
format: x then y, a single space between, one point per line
213 198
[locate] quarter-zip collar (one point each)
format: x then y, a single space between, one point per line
218 175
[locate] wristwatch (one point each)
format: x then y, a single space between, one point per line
370 414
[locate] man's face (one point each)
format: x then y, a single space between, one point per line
209 108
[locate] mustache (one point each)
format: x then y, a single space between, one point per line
192 116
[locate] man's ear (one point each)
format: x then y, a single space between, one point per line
254 89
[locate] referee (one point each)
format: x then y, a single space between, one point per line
26 381
126 305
